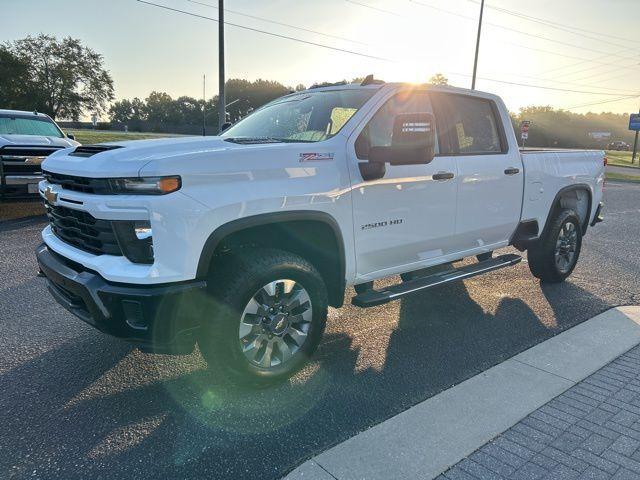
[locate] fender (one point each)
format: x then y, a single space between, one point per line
234 226
556 203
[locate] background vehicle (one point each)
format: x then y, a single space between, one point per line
26 139
241 242
619 145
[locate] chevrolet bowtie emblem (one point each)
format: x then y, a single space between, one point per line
50 195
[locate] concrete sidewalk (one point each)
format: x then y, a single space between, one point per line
427 439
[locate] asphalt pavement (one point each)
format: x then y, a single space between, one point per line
77 404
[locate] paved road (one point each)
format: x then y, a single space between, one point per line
76 404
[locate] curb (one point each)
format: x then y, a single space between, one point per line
432 436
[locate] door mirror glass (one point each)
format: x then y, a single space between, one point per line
71 136
413 141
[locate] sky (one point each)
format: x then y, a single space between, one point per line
589 55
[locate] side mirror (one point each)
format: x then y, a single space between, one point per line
71 136
225 126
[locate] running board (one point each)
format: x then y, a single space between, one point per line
372 298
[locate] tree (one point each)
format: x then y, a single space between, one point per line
16 87
126 111
438 79
65 77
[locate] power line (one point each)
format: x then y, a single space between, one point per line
582 59
559 26
262 19
587 85
521 32
175 10
629 97
541 87
286 37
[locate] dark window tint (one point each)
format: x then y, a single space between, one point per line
474 125
379 130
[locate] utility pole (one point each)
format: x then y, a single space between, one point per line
204 105
475 61
222 117
635 147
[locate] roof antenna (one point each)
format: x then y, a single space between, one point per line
369 80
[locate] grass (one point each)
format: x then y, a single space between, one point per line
621 159
623 177
87 137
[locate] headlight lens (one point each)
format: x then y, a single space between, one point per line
135 239
145 185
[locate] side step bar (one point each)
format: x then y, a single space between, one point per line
372 298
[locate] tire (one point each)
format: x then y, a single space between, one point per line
240 306
553 258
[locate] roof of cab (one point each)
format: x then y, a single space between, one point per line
399 85
23 113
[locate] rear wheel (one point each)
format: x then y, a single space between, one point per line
268 316
553 258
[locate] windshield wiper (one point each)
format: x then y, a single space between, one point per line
256 140
251 140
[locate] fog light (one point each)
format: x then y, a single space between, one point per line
135 240
143 231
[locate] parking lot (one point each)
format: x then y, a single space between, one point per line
78 404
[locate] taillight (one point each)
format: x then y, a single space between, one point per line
605 161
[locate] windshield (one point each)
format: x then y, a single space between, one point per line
23 125
303 117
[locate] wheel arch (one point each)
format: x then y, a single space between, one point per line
288 231
563 199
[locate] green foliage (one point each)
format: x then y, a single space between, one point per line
439 79
564 129
59 77
159 108
16 88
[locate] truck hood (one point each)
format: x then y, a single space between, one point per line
35 140
126 159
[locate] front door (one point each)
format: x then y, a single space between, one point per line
402 221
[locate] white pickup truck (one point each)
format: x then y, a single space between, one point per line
241 242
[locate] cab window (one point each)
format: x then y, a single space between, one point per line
379 130
474 125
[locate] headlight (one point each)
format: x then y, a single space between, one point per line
135 239
145 185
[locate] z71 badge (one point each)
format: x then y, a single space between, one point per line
315 157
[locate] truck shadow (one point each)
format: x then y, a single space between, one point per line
95 408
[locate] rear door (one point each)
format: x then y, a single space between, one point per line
405 219
490 174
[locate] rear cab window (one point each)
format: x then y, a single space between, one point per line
473 125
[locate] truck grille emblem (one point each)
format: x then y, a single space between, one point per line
50 195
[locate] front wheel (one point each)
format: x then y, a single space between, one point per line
553 258
268 316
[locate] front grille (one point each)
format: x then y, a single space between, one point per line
82 230
98 186
23 160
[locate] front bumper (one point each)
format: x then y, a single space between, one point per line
23 180
160 318
21 184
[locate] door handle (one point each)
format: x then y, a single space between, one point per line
441 176
512 171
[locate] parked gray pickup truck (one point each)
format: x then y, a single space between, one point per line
26 139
